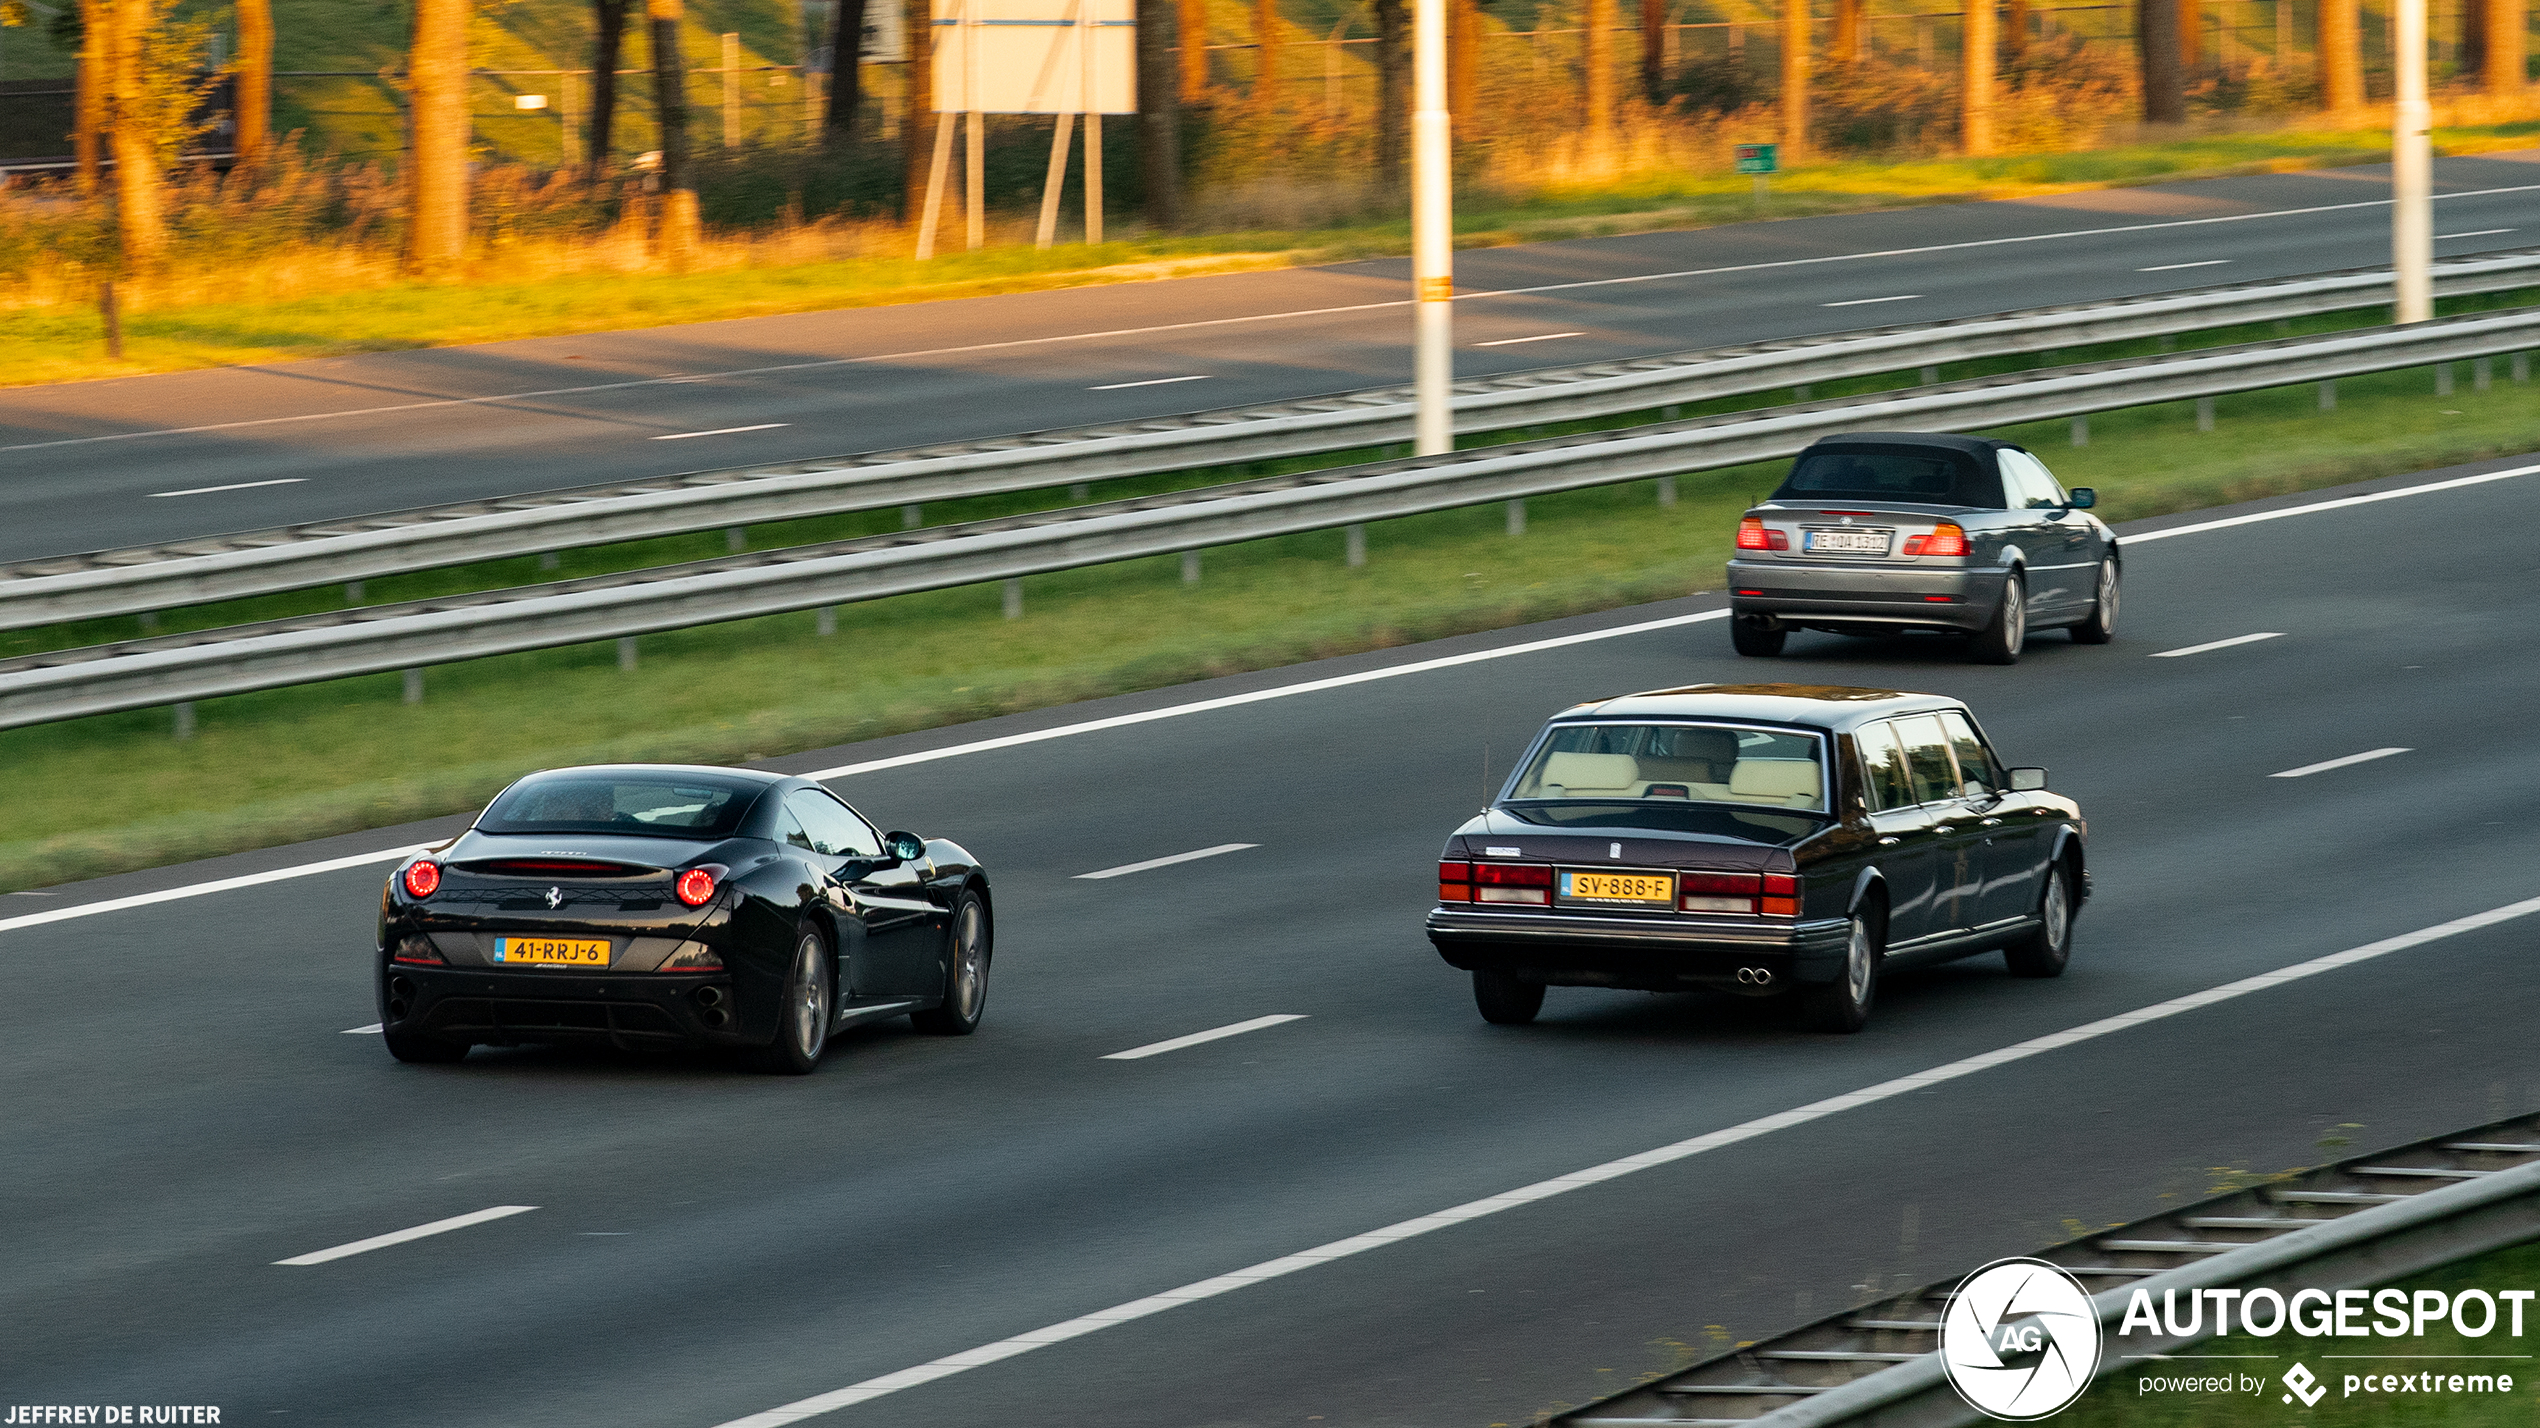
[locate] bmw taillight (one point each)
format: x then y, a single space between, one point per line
695 886
1455 882
422 878
1753 534
1528 883
1947 538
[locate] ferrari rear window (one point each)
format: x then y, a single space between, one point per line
1677 764
675 807
1933 475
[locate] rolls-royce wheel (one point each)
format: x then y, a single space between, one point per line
802 1020
2045 951
1506 1000
2001 641
1761 639
2101 627
1843 1005
422 1049
965 973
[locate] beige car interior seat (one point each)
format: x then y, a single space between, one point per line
1790 783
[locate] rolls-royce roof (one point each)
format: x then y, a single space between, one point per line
1822 706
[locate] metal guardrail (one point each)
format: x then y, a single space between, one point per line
2361 1222
135 580
167 669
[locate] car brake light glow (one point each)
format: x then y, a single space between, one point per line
1717 892
422 876
1753 534
695 886
1946 538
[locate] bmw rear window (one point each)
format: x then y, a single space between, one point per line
1931 475
667 806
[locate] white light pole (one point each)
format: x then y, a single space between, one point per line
2411 170
1432 235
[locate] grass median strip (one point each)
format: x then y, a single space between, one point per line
118 792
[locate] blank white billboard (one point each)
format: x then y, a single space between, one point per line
1036 57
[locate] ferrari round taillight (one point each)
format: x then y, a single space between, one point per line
423 877
695 887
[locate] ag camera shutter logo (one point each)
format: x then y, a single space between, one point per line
2019 1340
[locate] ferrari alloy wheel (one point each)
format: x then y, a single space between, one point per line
1505 999
2045 951
965 973
1843 1005
802 1020
2001 641
2101 627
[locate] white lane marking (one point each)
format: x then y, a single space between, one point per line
1542 1190
2220 644
2324 766
1140 1053
723 430
1257 317
2474 233
193 890
1233 701
1127 868
233 486
1865 302
374 1029
2339 504
1151 382
2174 267
398 1237
1538 337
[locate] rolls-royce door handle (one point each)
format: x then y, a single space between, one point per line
1890 842
1990 823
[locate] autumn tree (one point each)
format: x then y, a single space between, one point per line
1192 25
846 69
1975 86
917 128
1393 95
2502 45
608 41
437 135
252 107
1159 114
2156 44
1596 57
2340 56
1653 51
679 230
1795 40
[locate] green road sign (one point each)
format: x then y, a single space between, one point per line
1758 158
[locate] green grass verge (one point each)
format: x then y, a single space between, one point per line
116 792
64 342
2118 1399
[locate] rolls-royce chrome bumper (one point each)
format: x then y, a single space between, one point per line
1662 953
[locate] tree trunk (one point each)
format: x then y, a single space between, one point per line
254 83
1794 79
917 121
1975 91
2156 42
2191 36
676 239
88 106
1159 115
2341 56
1191 29
1464 65
2501 63
437 134
140 197
1393 96
608 38
1265 54
1596 57
1653 51
2016 23
846 70
1847 31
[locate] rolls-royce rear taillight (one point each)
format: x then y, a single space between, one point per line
1524 883
1770 894
1455 882
1781 896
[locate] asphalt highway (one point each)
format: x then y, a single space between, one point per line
142 460
186 1106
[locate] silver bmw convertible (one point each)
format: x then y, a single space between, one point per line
1881 533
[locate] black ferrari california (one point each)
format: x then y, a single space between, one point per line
658 905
